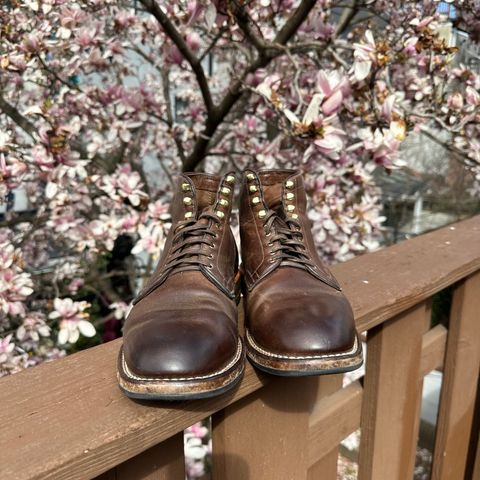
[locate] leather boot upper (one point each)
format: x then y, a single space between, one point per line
184 320
293 304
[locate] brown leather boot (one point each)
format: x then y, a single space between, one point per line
298 322
180 340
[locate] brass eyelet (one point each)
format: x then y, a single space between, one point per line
250 176
289 184
230 179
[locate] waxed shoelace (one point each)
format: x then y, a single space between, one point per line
188 240
287 240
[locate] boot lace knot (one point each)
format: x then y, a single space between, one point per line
188 239
286 240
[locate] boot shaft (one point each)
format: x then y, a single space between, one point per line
275 230
200 238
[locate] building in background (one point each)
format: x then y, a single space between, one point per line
432 191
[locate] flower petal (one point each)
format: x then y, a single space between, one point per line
333 103
63 335
313 109
361 69
86 328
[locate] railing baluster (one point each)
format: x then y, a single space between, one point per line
326 467
392 393
265 435
460 374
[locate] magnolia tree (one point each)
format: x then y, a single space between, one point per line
102 102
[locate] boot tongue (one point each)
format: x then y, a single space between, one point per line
272 194
205 191
272 188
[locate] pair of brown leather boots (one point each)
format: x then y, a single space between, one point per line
181 339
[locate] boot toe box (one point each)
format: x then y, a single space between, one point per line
167 346
309 322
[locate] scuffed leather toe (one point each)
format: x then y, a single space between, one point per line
177 347
308 318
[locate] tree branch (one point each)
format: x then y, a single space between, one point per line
450 148
25 124
217 37
56 76
236 90
244 22
347 16
177 39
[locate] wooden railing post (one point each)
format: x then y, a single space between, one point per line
265 435
459 386
392 392
326 467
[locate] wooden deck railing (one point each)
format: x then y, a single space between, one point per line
68 420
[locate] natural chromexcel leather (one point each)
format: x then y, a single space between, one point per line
183 325
294 306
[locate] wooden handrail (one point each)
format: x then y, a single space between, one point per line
67 419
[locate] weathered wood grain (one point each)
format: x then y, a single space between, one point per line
403 275
392 392
266 432
334 418
433 349
325 467
459 386
164 461
70 421
74 423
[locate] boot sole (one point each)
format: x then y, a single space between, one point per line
303 365
181 388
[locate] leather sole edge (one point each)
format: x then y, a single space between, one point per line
182 388
304 365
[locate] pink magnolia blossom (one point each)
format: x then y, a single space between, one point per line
72 320
15 284
123 184
364 57
455 101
